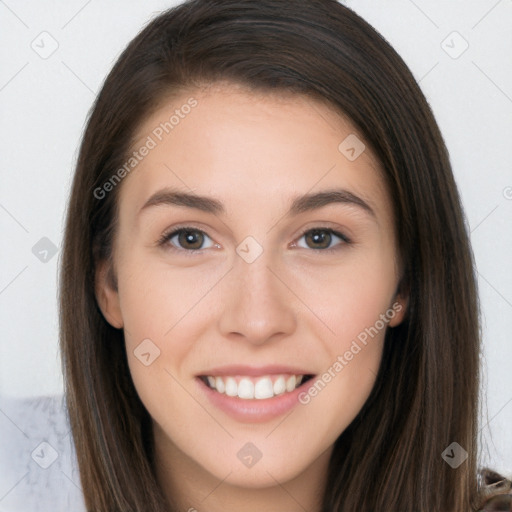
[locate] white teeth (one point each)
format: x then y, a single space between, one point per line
231 387
263 388
279 386
245 389
250 388
219 385
290 383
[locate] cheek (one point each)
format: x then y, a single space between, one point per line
337 396
348 297
163 314
165 311
353 302
356 315
156 298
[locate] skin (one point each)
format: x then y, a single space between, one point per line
294 305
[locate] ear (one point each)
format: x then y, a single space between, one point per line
107 295
399 305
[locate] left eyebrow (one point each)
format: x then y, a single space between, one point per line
300 204
310 202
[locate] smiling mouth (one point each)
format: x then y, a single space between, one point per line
249 388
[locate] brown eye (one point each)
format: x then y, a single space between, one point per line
318 239
187 238
322 239
191 239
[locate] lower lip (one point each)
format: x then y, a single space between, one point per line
254 410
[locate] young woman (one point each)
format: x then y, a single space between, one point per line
267 291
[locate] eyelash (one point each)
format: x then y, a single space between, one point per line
166 237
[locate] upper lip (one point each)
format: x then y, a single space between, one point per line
254 371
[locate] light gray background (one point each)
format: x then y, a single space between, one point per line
44 100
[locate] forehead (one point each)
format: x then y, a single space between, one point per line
250 147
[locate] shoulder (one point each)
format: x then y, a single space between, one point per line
495 491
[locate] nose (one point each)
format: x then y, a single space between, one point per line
257 306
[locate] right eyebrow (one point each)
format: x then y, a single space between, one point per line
175 197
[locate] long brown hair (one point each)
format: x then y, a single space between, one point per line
426 393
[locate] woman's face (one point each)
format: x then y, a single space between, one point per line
287 266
